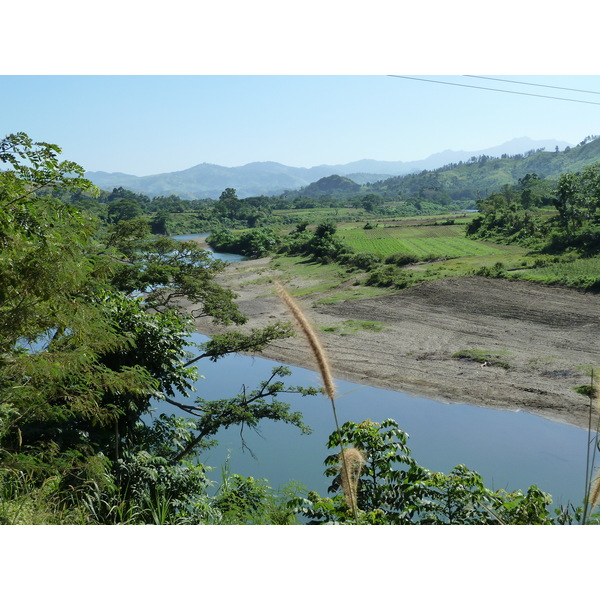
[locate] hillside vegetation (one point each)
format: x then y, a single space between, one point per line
94 341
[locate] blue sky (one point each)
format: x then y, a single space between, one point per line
147 88
152 124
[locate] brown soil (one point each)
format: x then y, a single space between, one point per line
546 336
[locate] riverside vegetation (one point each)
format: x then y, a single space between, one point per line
92 335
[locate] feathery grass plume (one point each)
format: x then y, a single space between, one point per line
591 489
323 364
313 340
354 460
595 493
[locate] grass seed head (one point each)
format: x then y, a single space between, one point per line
310 335
351 464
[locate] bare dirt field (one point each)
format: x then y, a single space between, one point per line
544 336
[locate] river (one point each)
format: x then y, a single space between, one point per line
511 450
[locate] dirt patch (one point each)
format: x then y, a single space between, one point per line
545 335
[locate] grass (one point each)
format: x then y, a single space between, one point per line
353 326
581 273
484 357
307 277
316 215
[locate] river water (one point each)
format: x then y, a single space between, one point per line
511 450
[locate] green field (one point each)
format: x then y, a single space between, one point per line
316 215
423 241
582 272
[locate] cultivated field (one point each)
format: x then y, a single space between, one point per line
422 241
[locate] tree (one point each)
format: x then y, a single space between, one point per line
160 223
325 229
392 489
124 209
91 335
578 198
228 194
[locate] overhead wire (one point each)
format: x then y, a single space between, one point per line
495 89
554 87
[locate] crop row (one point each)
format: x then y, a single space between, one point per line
421 241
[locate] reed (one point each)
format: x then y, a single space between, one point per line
324 369
313 341
592 489
354 460
594 493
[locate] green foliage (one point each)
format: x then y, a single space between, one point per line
512 217
586 390
400 259
254 243
421 242
496 271
578 198
249 501
462 183
460 498
351 326
167 270
92 341
390 276
394 489
385 494
144 489
246 409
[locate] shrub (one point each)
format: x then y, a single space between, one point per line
401 259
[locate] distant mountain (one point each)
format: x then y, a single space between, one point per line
270 178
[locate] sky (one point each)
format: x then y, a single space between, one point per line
147 124
145 88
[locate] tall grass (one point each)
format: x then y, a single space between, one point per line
592 488
323 364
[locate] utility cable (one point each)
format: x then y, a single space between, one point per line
554 87
495 89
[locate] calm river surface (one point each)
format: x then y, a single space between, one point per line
511 450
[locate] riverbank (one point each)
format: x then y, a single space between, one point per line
539 340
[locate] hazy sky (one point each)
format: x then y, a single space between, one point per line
152 124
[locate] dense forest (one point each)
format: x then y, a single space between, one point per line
93 334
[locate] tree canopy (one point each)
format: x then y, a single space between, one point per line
92 334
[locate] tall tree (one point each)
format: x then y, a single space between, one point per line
91 335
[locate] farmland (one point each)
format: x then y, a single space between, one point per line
581 273
446 241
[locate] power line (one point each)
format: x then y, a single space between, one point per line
495 89
554 87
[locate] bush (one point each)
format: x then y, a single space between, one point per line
390 488
401 259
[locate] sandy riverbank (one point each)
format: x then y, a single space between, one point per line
546 335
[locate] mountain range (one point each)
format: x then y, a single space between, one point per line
271 178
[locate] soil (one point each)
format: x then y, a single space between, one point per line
538 339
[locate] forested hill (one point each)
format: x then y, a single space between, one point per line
482 175
269 178
333 184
